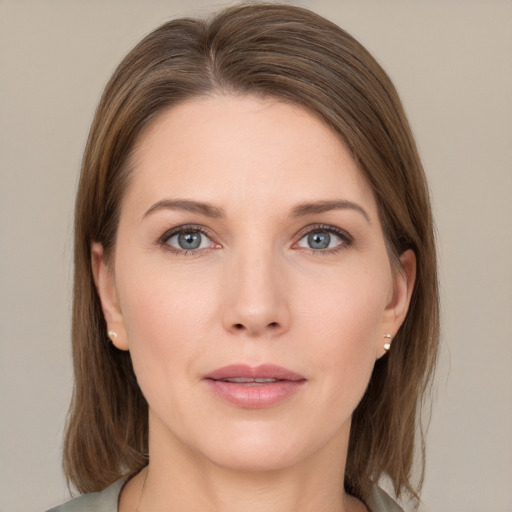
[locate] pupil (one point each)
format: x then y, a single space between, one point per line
319 240
189 240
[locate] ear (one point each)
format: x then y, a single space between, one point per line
397 308
106 287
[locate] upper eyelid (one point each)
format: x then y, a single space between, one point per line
323 227
347 240
183 229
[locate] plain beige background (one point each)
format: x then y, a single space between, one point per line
452 64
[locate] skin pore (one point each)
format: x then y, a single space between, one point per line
248 236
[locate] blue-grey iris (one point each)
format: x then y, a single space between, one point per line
188 241
319 240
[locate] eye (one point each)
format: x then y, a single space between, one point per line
187 239
325 239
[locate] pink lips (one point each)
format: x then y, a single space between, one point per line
254 387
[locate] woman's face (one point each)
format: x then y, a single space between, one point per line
250 282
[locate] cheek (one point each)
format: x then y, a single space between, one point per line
344 320
167 317
347 305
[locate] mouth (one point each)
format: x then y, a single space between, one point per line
250 382
252 387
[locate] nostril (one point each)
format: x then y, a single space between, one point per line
241 327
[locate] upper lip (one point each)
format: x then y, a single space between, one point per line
263 371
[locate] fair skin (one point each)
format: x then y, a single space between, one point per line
287 266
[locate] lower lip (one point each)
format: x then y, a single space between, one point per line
255 396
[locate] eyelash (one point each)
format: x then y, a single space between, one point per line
347 240
189 228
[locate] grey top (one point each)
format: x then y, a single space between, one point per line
107 500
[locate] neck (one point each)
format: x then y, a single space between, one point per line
179 479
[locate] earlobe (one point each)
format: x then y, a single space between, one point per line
398 306
105 286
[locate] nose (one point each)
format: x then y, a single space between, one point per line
256 302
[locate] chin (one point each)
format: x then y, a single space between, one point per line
264 448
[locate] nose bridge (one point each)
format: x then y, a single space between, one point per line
256 302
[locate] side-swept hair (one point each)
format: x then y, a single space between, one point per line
294 55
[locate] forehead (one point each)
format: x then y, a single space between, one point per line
238 150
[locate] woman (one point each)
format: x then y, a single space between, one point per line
254 237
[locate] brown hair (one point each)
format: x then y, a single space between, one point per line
288 53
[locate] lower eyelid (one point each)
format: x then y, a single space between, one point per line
345 238
183 229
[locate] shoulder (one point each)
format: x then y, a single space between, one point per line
106 501
103 501
382 499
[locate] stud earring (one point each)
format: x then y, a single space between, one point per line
387 345
112 335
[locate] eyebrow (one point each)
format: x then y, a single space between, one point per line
324 206
205 209
208 210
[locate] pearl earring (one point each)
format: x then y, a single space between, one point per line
112 335
387 345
